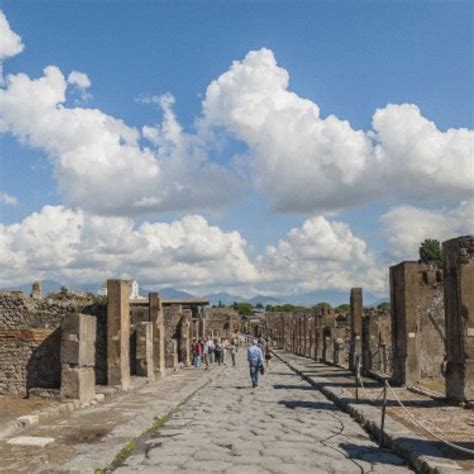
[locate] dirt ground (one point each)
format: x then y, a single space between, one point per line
454 423
13 406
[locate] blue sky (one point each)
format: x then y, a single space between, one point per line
350 58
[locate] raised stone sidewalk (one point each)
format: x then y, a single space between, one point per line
90 438
333 381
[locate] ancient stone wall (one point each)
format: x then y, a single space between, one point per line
30 339
417 315
222 322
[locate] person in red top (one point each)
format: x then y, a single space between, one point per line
197 353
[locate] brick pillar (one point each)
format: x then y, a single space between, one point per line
144 356
118 333
157 318
78 335
356 322
310 337
458 264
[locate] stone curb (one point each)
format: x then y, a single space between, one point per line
396 436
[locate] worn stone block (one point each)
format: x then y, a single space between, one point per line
144 353
156 316
118 333
458 266
78 340
356 309
77 383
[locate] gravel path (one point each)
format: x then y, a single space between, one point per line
282 426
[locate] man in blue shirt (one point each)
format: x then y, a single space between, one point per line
255 360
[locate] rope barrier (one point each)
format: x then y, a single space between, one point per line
438 437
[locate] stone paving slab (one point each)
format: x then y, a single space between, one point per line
90 438
337 384
282 426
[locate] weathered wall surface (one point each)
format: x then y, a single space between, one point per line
222 322
377 341
417 314
30 339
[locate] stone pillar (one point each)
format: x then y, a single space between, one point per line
458 265
157 319
185 341
78 335
356 322
144 357
118 333
416 303
36 291
366 337
171 354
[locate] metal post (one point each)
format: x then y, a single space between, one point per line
384 404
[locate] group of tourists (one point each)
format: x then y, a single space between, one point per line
214 351
217 351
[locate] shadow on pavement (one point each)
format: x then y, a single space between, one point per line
316 405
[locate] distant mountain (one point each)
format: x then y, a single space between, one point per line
334 298
265 300
171 294
225 298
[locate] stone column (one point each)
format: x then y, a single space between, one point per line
78 335
356 322
366 337
416 302
36 291
118 333
171 354
157 319
144 357
186 337
458 264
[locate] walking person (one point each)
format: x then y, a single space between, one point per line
211 354
205 352
218 351
197 353
255 360
232 348
268 355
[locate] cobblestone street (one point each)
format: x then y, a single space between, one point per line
283 426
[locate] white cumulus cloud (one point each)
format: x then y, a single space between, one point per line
305 162
71 245
321 254
10 42
95 155
405 227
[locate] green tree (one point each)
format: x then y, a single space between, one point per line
430 252
343 308
259 305
384 305
322 305
244 308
